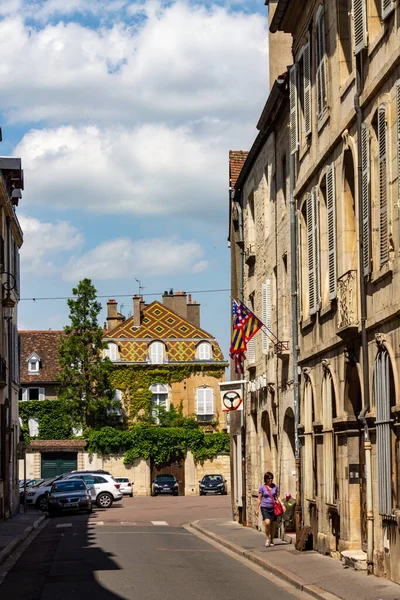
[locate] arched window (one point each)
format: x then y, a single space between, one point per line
159 399
328 404
205 404
308 455
384 400
157 353
204 351
111 352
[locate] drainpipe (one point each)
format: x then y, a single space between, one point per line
9 388
364 339
294 292
243 412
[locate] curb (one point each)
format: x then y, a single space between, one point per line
281 572
9 549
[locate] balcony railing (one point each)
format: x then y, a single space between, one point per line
205 418
347 297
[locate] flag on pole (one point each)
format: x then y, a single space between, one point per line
238 343
245 321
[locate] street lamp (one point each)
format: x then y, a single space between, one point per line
8 307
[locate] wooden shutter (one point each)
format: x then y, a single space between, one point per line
316 244
307 88
294 117
113 352
205 401
266 313
42 395
33 425
298 263
25 396
321 63
387 8
365 176
204 351
310 255
200 401
383 187
331 214
360 25
157 353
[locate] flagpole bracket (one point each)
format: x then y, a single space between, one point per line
281 348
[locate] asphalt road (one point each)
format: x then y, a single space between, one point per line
103 557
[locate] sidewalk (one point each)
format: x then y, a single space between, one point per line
14 531
321 576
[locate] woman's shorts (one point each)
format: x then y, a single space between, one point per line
268 513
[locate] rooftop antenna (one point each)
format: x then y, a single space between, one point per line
141 287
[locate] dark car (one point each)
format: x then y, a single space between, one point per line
164 484
212 484
68 495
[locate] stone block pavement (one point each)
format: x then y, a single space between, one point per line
14 531
320 576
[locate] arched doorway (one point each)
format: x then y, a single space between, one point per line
287 465
357 495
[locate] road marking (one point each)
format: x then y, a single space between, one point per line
99 523
63 525
159 523
128 523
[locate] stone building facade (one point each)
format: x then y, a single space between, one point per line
344 140
11 238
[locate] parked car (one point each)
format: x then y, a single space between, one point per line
103 488
212 484
37 493
164 484
68 495
125 486
29 484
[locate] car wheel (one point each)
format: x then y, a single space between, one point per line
41 503
104 500
131 494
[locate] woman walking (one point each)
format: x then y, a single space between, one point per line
271 503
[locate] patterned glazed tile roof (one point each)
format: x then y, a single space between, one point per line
161 323
45 344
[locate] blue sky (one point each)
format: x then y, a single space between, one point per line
123 114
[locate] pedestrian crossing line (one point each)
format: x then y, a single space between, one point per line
128 523
159 522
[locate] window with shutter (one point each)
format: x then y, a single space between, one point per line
298 264
360 25
42 394
157 353
293 103
33 425
307 89
387 8
331 227
365 177
310 255
204 351
316 243
205 404
398 153
383 187
322 96
159 399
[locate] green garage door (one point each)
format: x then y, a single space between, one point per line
57 463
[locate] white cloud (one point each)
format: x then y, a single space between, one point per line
43 241
149 170
121 258
181 62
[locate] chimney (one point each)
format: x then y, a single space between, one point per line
114 318
193 312
280 48
137 310
168 299
180 305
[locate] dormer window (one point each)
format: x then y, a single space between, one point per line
157 353
33 363
111 352
204 351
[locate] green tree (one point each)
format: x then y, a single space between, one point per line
85 375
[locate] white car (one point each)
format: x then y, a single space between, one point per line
125 486
36 496
103 488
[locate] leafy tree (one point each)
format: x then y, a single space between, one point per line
85 375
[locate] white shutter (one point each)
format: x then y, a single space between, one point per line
387 8
201 401
298 263
209 401
360 25
204 351
266 313
251 351
25 396
383 187
157 353
331 213
294 117
113 354
307 89
321 63
42 395
310 255
365 177
33 425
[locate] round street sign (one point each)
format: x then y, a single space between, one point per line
231 400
